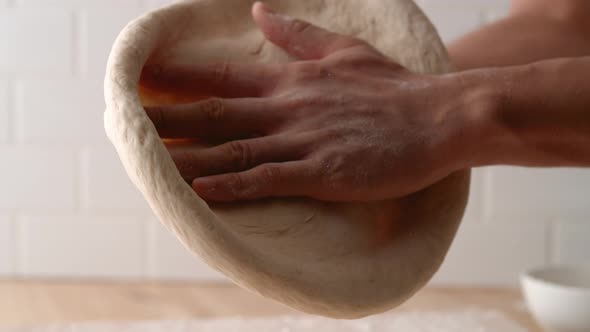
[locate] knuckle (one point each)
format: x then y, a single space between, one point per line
270 173
333 170
221 71
334 135
303 105
236 185
240 154
213 109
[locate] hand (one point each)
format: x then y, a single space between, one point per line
343 124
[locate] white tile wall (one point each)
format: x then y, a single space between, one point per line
451 24
96 37
62 111
37 178
539 193
36 41
493 253
105 185
67 209
75 246
572 242
453 18
167 257
4 113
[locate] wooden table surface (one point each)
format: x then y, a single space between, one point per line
37 302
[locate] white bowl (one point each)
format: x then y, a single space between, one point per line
559 297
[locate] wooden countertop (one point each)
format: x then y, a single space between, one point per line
36 302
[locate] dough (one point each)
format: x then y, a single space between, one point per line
343 260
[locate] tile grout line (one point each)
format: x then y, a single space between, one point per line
75 40
10 102
80 42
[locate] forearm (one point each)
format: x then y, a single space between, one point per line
530 115
535 30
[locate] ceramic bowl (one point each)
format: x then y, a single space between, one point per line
559 297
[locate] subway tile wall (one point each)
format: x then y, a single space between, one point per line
67 209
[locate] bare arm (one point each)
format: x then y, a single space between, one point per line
529 115
534 30
540 113
346 124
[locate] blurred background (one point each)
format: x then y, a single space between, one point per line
67 210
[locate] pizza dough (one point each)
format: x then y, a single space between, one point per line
343 260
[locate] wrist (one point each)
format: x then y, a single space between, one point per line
471 104
530 115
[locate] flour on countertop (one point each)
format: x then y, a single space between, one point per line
471 320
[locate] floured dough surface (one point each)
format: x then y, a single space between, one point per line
335 259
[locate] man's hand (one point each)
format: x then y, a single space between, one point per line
344 123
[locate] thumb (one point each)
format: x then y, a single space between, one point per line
297 37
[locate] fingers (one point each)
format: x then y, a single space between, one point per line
207 80
299 38
216 119
193 161
276 179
